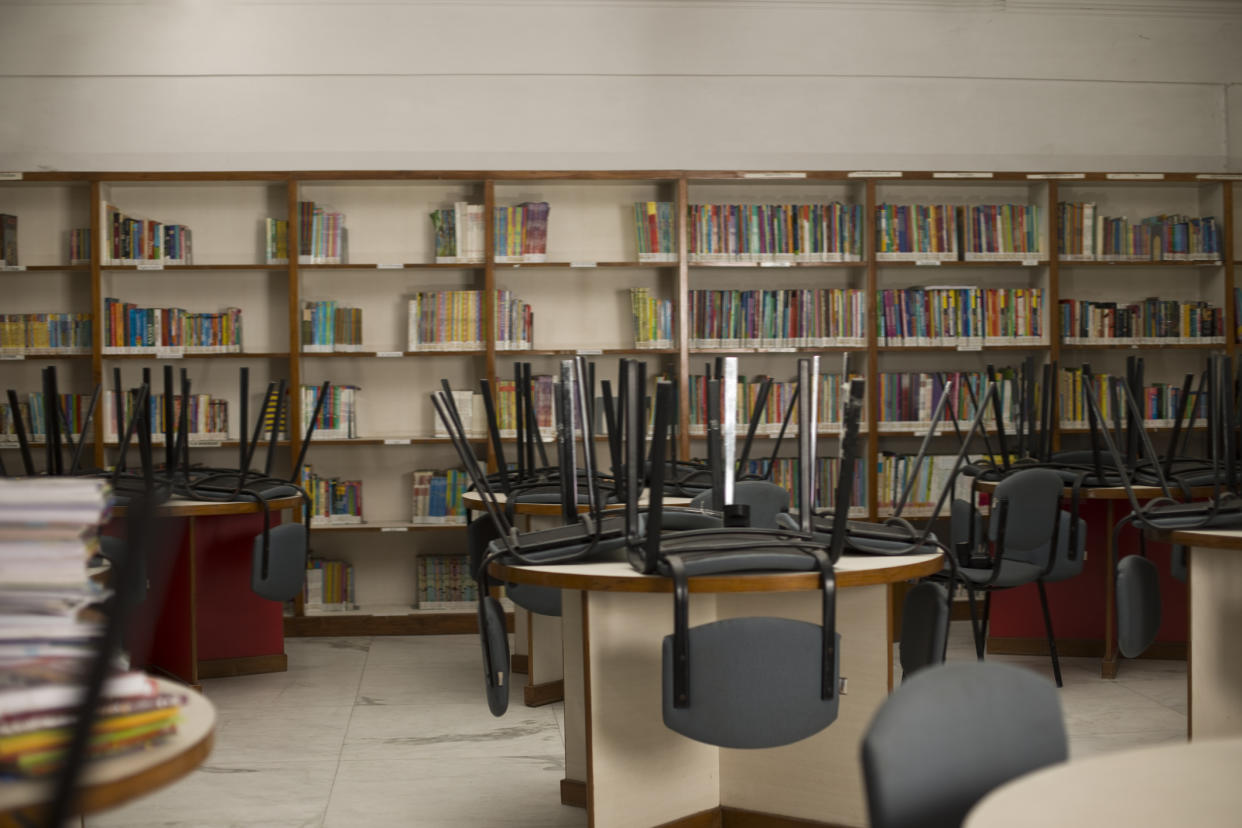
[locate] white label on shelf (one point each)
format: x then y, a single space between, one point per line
12 356
1134 176
589 351
394 528
159 354
970 346
928 263
1057 176
774 175
150 265
389 354
388 266
1219 176
776 264
875 174
397 441
10 176
1030 262
780 350
961 175
14 268
582 264
205 443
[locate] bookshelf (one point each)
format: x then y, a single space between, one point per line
799 240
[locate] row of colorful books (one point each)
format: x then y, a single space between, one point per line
944 232
774 233
45 334
1158 401
140 241
49 528
276 241
8 240
334 501
453 320
1084 234
437 496
520 232
458 233
792 318
1152 321
770 418
80 245
445 582
207 417
33 413
130 329
338 419
966 316
321 235
784 472
328 327
893 474
653 319
654 230
329 586
908 400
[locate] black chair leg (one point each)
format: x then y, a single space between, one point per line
1052 639
974 623
987 618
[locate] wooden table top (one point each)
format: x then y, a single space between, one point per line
1186 783
474 502
1113 492
107 783
851 571
178 507
1213 538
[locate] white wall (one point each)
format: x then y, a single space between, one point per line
478 84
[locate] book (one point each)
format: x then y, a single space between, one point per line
8 240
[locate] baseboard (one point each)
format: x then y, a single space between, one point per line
1079 648
738 818
573 793
536 695
245 666
703 819
519 663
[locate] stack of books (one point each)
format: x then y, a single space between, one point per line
329 586
80 246
338 419
520 232
452 320
653 228
144 242
48 530
276 241
459 233
334 502
321 235
438 496
129 329
327 327
45 334
445 583
653 320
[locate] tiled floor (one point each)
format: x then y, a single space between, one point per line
378 732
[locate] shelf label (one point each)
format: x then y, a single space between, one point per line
397 441
389 354
150 265
582 264
1055 176
1134 176
589 352
776 264
168 354
874 174
1030 262
8 268
928 263
961 175
394 528
390 267
780 350
970 346
1219 176
205 444
10 176
10 357
774 175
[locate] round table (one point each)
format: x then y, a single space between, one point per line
630 771
107 783
1187 783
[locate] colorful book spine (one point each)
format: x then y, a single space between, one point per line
893 473
143 242
80 246
771 417
446 583
33 413
653 320
458 233
276 241
1083 234
792 318
653 231
322 238
45 334
437 497
129 329
784 472
907 401
775 233
327 327
965 317
1151 321
520 232
1158 401
329 586
916 232
1002 232
338 418
452 320
208 417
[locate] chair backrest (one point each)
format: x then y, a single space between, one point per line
1026 504
765 499
951 734
278 572
924 627
1066 566
1138 605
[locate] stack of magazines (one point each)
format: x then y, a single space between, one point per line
49 528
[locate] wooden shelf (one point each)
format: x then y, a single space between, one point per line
778 265
776 351
1107 264
1135 347
391 526
394 354
393 440
382 266
196 268
888 349
964 264
66 268
585 264
236 355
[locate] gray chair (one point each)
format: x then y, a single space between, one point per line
1138 605
765 499
919 768
924 627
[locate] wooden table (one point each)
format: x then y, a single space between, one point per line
206 622
537 638
107 783
1116 504
630 771
1214 675
1192 783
